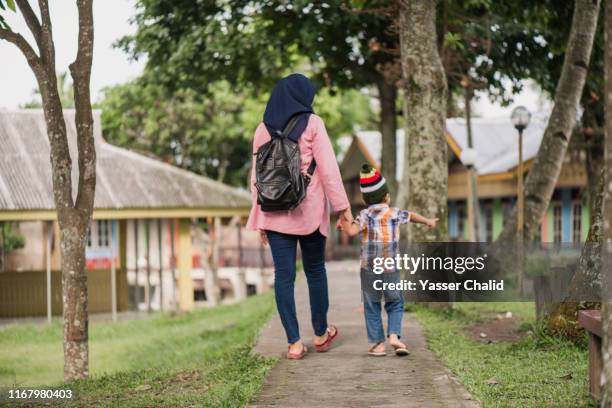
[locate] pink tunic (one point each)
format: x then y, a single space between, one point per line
325 187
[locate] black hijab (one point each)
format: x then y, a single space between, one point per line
292 95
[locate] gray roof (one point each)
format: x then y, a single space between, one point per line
495 141
125 179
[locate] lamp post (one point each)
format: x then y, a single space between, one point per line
520 118
468 158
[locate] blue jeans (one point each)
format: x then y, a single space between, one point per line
284 249
373 320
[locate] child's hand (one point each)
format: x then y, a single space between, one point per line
348 227
431 222
344 225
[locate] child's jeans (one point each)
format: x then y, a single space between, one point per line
373 319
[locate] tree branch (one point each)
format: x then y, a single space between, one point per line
47 49
44 14
25 48
80 70
31 20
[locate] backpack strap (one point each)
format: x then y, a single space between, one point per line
312 167
290 126
310 171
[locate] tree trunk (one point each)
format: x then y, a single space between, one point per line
73 230
607 228
388 131
425 179
563 319
586 282
73 216
542 177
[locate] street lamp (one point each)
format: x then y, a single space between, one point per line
468 158
520 118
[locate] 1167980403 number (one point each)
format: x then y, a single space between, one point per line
38 394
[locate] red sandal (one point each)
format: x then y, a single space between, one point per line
326 345
297 356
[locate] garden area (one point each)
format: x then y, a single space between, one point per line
199 359
504 357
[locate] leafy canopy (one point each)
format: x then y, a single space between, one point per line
210 133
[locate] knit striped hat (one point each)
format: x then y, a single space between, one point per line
372 184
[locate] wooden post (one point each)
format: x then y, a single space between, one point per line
212 277
148 255
239 226
161 263
113 272
173 264
185 265
48 261
241 291
137 291
591 321
123 287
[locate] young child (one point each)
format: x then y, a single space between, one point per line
379 228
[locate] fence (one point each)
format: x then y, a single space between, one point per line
25 293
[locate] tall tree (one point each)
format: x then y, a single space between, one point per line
254 43
425 179
543 174
73 215
607 230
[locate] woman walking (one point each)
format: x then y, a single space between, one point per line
308 223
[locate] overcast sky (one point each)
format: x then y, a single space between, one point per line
111 66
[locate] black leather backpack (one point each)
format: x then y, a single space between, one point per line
280 183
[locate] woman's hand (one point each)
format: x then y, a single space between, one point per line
263 237
345 216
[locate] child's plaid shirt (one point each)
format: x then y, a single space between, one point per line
379 230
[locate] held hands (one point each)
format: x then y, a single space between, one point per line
346 217
346 223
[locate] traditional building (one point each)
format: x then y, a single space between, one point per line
145 250
496 144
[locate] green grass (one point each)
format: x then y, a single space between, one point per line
198 359
538 371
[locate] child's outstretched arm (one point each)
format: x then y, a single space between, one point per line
419 219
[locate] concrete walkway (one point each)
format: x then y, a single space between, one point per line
346 376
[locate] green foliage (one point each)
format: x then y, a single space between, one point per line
552 19
205 133
485 43
192 44
344 111
209 133
3 6
245 42
453 41
10 239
